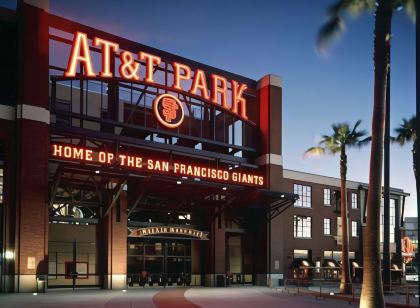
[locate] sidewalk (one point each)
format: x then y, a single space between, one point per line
396 297
177 297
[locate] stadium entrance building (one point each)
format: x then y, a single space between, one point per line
123 164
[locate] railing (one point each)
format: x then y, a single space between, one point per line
324 289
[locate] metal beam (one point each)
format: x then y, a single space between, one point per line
73 219
140 196
115 198
54 191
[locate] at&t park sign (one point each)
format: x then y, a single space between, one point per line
216 92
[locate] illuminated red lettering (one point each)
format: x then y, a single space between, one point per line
128 68
199 83
122 159
177 74
107 47
216 89
78 153
80 53
237 99
102 157
110 157
151 60
57 150
176 167
89 155
67 152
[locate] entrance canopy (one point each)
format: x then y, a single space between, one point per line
81 192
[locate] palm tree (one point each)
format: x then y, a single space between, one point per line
372 292
406 133
341 139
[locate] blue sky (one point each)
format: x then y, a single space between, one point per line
255 38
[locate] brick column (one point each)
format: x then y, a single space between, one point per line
214 250
114 229
32 127
270 97
271 161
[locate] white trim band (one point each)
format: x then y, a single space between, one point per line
319 179
270 159
7 112
33 113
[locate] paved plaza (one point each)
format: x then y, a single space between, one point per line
170 297
180 297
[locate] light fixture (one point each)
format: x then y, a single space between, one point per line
178 182
224 188
331 293
9 255
281 196
97 171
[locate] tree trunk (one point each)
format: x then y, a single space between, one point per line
417 154
345 284
372 292
413 151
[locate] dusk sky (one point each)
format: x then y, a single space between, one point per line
255 38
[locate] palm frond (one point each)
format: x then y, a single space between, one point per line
334 24
409 7
406 132
364 142
314 151
353 131
332 28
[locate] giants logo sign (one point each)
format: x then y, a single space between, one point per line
168 110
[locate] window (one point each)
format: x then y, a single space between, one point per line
327 226
354 231
300 253
304 193
392 220
354 204
336 255
327 196
392 203
302 226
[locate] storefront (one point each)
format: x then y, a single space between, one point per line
133 165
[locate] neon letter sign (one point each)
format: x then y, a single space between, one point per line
129 69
